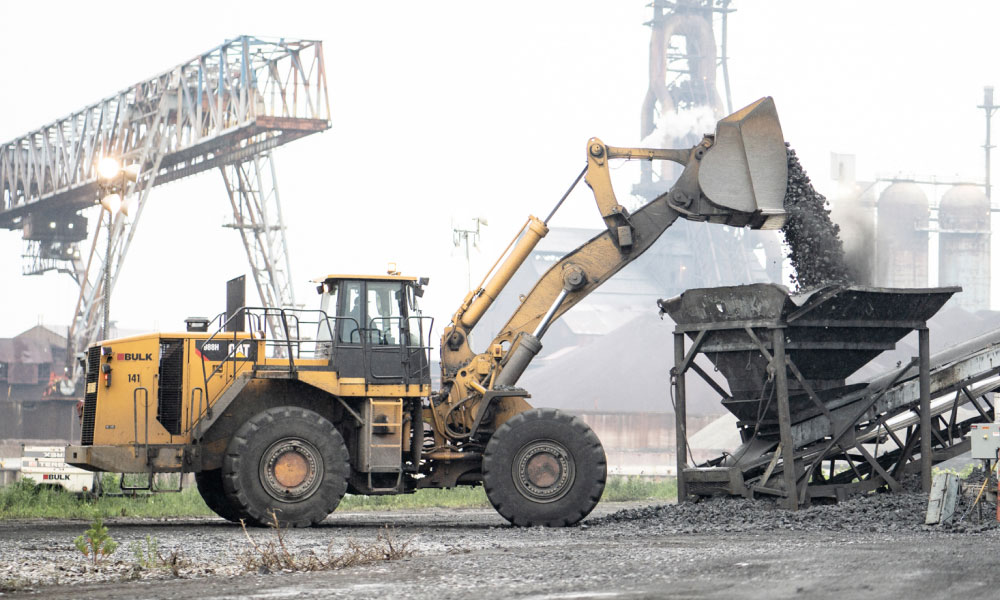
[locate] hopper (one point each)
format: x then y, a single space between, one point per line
830 333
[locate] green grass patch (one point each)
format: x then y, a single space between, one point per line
628 489
25 500
618 489
963 473
460 497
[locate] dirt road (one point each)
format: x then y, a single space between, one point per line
473 553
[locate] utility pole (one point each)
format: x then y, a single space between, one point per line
989 108
462 236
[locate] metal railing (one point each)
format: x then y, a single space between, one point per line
232 354
411 345
404 348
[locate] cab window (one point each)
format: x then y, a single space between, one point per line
327 304
385 305
351 311
415 324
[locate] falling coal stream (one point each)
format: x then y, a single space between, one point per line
813 239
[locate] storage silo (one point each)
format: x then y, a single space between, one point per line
964 245
902 240
853 210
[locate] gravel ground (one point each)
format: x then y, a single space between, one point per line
875 546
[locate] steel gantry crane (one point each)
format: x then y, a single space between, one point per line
225 109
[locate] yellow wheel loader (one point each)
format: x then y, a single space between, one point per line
341 400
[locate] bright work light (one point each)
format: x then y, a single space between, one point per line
108 168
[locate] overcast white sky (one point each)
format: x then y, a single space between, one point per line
450 110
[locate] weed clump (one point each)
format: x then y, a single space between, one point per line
96 542
146 556
20 493
274 555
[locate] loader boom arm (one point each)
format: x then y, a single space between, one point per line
736 177
597 259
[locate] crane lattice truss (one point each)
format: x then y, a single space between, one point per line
227 109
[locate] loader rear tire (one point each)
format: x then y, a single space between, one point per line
287 463
545 468
210 488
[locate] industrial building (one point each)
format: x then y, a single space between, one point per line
34 407
888 235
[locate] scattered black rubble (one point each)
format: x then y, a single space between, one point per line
880 512
877 513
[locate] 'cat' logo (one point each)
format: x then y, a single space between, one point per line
135 356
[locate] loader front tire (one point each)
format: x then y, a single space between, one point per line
544 467
210 488
287 463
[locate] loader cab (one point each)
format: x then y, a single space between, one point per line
373 328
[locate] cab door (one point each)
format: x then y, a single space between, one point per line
385 306
416 331
369 331
348 353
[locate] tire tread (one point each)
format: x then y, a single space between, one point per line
241 444
591 468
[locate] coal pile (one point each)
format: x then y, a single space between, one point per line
867 514
813 239
873 513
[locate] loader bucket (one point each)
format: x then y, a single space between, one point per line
746 169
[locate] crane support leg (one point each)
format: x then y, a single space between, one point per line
253 193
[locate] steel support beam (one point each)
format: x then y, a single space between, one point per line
680 414
926 457
253 194
243 91
780 368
